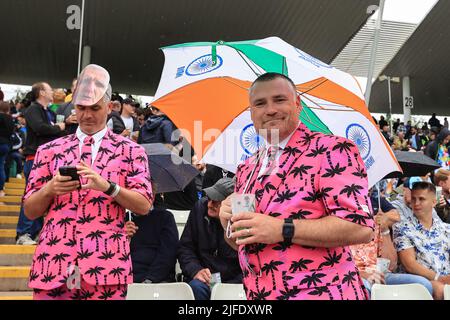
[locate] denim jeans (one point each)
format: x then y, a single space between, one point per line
402 278
201 290
4 150
25 225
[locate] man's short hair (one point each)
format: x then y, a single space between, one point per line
36 89
423 185
4 107
269 76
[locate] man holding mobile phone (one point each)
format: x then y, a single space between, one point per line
83 242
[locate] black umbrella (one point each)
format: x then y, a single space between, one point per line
169 171
413 164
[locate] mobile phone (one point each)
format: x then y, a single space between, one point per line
70 171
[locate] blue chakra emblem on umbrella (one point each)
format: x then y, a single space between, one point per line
359 136
203 64
251 141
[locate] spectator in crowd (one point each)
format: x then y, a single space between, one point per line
158 129
17 140
365 255
6 130
442 179
423 242
203 250
310 218
434 122
396 125
2 95
153 246
403 204
40 130
386 134
115 121
83 239
58 99
67 109
445 123
415 140
68 97
438 149
382 122
129 119
400 142
140 115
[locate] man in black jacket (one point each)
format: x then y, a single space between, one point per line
203 250
40 130
153 246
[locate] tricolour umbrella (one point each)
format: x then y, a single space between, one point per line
204 89
169 172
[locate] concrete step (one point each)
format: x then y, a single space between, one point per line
12 185
8 199
8 222
16 180
14 255
7 236
14 278
9 208
14 192
16 295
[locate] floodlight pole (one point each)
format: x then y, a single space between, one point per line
81 38
390 105
373 54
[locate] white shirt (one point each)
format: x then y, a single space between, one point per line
281 147
129 124
98 137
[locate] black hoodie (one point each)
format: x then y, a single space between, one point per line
157 129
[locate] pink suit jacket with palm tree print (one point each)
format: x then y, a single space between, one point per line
317 175
86 227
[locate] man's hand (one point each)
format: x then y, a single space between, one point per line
204 276
444 279
225 212
442 201
60 185
61 125
131 228
94 180
125 133
72 119
257 228
374 276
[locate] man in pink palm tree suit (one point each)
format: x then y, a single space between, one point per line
311 204
83 251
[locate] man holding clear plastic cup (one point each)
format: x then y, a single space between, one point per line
311 202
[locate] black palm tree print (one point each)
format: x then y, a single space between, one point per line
102 152
95 272
261 294
289 293
313 279
285 196
349 279
107 293
53 241
300 214
42 258
316 152
98 234
107 255
271 267
48 277
57 157
299 265
98 201
117 272
300 170
344 146
59 258
331 259
64 222
84 254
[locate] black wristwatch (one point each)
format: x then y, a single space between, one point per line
288 230
111 188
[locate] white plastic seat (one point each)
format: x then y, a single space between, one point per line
228 291
413 291
160 291
180 216
447 292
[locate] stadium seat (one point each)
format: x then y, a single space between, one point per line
413 291
228 291
181 217
447 292
160 291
